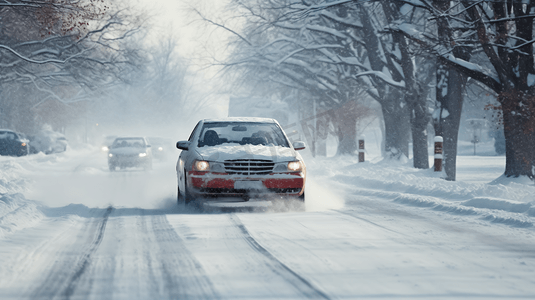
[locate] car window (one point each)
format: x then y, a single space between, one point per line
128 143
8 135
242 133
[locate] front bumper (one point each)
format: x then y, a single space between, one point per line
207 184
128 161
14 150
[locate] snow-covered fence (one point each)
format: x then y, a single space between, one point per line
438 153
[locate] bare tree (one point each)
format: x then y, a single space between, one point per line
65 50
324 55
501 33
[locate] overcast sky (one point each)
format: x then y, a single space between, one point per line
195 39
172 17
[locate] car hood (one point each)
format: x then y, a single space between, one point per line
127 150
222 153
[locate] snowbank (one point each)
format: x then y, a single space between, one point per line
509 202
17 213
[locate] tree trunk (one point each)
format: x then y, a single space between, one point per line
419 121
321 147
449 118
322 132
449 94
345 126
306 116
519 134
397 126
413 92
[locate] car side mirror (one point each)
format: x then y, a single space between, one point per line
299 145
183 145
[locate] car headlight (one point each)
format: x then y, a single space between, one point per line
104 148
142 154
295 166
160 148
201 165
292 166
110 155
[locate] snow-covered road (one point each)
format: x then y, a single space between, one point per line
370 231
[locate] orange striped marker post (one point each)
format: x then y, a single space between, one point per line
438 153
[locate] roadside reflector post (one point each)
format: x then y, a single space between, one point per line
438 153
361 148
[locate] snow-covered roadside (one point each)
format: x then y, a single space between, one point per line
15 211
11 175
503 200
73 183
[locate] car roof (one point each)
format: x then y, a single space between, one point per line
241 119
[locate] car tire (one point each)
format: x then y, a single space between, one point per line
189 200
179 198
302 198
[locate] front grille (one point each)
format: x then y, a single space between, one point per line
249 166
127 155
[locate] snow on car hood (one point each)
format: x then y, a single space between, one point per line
127 150
227 152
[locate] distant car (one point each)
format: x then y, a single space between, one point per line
130 152
160 147
13 143
240 158
48 142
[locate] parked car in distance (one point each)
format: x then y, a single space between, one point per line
240 158
48 142
60 145
160 147
13 143
130 152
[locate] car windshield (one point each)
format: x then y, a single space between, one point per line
128 143
242 133
7 135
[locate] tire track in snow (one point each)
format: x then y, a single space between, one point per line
367 221
86 258
299 282
53 286
183 275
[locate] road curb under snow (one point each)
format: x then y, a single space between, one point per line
506 202
477 206
17 213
